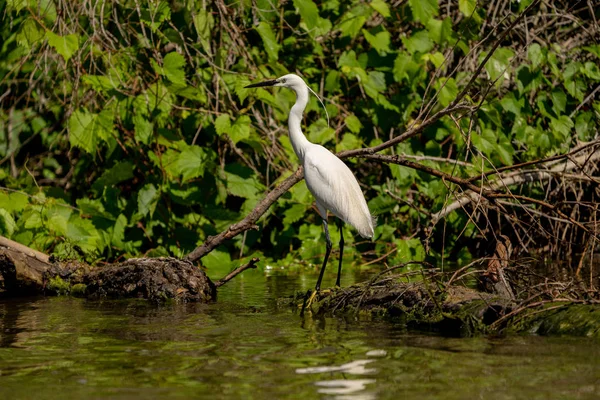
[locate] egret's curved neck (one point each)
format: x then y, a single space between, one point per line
299 142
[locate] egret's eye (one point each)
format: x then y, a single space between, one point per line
282 80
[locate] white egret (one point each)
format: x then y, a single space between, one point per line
327 177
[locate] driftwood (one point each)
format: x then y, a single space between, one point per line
24 271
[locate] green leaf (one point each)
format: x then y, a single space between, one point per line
381 7
294 214
85 128
18 201
191 163
319 132
535 55
204 23
16 5
66 46
437 58
29 34
424 10
309 12
505 149
352 22
173 67
7 223
143 129
510 103
121 171
353 123
576 88
83 233
147 199
269 40
559 101
380 41
216 259
242 187
467 7
418 42
449 92
240 130
498 63
584 125
58 216
101 83
591 70
349 142
93 207
118 233
409 249
223 124
561 127
404 66
155 13
440 31
486 142
81 133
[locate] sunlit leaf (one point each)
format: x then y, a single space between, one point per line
380 41
7 223
353 123
467 7
418 42
270 41
66 45
424 10
173 64
381 7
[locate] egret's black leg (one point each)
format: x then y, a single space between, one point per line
327 251
340 226
308 300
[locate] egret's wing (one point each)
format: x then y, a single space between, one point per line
336 189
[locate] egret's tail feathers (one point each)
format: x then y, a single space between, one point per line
367 229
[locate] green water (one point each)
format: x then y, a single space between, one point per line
245 347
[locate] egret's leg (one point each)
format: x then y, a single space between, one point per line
307 303
327 251
341 228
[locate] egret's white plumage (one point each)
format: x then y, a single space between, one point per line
330 180
327 177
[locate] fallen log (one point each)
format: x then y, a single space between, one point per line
24 271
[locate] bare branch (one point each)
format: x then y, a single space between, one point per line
237 271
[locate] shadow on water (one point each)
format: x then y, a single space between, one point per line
243 346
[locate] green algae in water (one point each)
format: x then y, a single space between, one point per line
562 319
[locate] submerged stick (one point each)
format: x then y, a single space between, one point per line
237 271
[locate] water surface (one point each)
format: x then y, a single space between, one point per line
244 346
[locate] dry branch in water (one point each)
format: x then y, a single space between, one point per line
236 272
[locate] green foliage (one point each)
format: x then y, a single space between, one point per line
129 130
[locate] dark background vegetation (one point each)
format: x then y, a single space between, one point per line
125 128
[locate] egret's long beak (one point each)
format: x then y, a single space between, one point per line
260 84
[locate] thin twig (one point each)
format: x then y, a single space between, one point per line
237 271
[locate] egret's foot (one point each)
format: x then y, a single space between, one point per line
308 301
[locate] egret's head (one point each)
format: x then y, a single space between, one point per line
294 82
291 81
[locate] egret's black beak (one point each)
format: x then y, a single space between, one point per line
260 84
